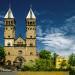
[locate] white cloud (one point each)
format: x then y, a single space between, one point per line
39 13
56 40
39 31
69 25
1 22
1 16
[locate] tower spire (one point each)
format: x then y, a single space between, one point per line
31 6
9 13
30 14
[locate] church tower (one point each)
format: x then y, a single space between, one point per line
30 34
9 30
19 50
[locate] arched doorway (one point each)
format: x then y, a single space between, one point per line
18 62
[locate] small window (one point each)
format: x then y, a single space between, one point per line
8 36
11 22
28 28
31 44
6 28
30 22
8 53
31 53
20 52
8 44
6 22
30 36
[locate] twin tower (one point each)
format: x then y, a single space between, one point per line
20 50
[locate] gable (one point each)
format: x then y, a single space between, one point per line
20 40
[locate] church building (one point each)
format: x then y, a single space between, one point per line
20 50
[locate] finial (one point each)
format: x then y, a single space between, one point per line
31 6
9 4
30 11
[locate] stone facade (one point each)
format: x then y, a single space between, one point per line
20 50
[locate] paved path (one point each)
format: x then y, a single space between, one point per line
8 73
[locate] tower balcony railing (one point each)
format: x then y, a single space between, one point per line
19 45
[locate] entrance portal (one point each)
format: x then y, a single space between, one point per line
18 62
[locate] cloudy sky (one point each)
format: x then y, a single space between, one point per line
55 23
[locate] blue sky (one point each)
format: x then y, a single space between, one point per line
55 23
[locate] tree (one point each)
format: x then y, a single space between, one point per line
43 65
72 60
44 54
28 66
2 55
54 59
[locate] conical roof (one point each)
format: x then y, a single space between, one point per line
30 14
9 14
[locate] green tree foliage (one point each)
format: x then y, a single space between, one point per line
44 54
45 62
2 55
54 59
72 60
43 65
28 66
